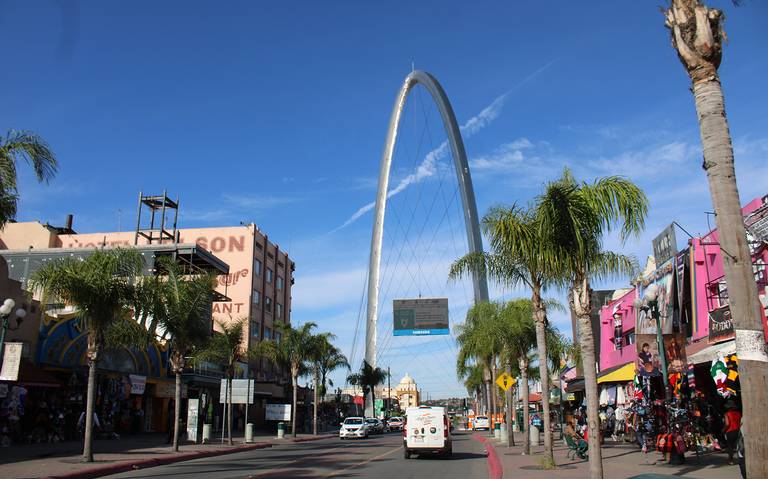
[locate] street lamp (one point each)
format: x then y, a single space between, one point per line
650 304
5 313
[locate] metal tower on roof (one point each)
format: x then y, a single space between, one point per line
156 231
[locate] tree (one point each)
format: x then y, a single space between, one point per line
478 343
180 305
226 347
100 287
520 255
35 151
368 378
293 352
574 217
326 359
697 36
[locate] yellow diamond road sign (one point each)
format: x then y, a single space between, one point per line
505 381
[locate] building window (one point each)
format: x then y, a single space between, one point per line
279 310
269 275
257 268
267 333
268 303
255 330
278 336
256 297
280 282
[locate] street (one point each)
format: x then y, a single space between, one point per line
375 457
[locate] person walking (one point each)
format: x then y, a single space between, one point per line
731 428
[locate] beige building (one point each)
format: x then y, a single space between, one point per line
406 393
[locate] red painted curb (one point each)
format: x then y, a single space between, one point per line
153 462
495 470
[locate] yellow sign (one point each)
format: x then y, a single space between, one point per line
505 381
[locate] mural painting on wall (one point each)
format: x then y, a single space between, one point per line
663 278
674 351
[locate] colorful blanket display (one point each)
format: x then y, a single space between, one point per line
725 373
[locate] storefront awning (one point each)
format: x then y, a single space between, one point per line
617 374
710 353
575 385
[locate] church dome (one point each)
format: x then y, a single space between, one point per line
407 382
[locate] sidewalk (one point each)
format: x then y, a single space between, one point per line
619 461
117 455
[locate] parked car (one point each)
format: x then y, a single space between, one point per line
481 422
353 427
395 424
374 425
427 430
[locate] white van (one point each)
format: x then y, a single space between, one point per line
426 430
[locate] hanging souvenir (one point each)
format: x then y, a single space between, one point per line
725 372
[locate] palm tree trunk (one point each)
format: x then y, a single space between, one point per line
487 381
697 37
89 411
526 413
581 303
314 401
509 396
177 412
494 394
540 319
229 411
295 380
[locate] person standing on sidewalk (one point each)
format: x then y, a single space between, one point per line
732 428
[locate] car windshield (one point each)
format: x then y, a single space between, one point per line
352 422
482 418
371 421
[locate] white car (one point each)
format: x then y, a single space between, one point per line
395 424
427 430
353 427
481 422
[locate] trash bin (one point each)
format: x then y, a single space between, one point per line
504 439
206 433
496 430
520 421
534 432
280 430
249 432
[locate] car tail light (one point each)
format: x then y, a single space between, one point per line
405 430
445 427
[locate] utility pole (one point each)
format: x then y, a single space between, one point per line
389 392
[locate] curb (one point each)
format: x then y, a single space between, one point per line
313 438
145 463
495 470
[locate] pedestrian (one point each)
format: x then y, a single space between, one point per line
731 428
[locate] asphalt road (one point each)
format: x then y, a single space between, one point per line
375 457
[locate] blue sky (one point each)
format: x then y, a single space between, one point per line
276 113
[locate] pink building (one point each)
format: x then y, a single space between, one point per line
618 311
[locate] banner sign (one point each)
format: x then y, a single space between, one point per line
193 406
720 325
242 391
278 412
663 278
138 383
420 317
11 362
665 245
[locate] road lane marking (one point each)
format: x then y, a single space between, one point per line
278 467
385 454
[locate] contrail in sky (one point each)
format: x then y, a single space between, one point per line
427 168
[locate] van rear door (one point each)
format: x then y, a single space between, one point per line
426 428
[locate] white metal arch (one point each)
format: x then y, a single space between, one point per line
461 166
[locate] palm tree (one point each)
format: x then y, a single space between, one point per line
100 287
479 343
293 352
326 359
520 255
697 36
575 217
180 306
226 347
517 332
473 380
368 378
34 150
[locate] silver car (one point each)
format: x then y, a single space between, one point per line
353 427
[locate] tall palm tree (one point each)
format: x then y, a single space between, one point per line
474 381
697 36
326 359
293 352
368 378
576 216
520 255
479 343
226 347
18 145
180 307
100 287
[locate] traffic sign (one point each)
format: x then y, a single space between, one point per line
505 381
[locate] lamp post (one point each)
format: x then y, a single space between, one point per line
650 304
5 313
